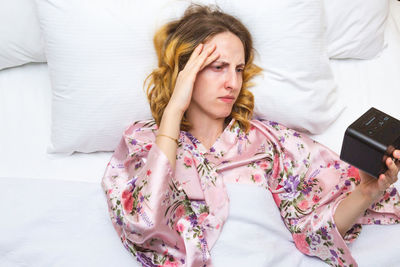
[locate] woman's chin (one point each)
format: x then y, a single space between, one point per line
220 113
224 115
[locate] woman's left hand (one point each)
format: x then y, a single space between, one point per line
373 188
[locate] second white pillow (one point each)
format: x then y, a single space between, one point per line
21 41
355 29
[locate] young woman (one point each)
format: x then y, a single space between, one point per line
165 183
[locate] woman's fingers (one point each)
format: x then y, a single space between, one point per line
198 62
181 96
391 174
394 163
396 156
210 59
383 182
199 58
196 51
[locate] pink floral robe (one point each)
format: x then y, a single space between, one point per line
167 218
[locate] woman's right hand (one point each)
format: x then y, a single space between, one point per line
202 56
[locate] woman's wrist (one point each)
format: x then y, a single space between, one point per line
168 134
170 122
367 195
173 112
365 199
350 209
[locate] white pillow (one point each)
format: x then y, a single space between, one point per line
297 88
20 37
355 29
100 51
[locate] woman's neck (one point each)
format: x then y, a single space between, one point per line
207 130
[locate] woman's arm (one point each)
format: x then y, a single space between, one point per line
365 194
309 182
169 126
180 100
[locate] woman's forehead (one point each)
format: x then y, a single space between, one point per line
229 46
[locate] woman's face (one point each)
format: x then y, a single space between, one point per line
218 85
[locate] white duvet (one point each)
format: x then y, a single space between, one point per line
66 223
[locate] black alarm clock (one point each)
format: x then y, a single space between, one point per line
370 140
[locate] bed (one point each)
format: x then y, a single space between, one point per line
54 209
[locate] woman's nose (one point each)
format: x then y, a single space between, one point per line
232 80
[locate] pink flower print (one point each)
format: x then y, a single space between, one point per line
202 217
286 168
303 205
301 243
337 165
148 146
386 196
139 208
187 162
168 263
256 178
180 211
264 165
127 201
353 172
180 227
315 198
148 172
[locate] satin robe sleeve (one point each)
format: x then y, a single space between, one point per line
308 182
136 182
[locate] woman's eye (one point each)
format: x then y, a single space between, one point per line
218 67
240 70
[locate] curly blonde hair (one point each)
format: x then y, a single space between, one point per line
175 42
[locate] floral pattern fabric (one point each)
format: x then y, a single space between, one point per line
167 218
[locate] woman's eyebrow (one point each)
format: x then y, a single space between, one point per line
224 63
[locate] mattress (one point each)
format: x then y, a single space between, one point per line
55 213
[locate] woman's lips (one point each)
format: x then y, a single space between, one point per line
226 99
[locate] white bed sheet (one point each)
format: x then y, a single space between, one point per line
55 212
56 223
